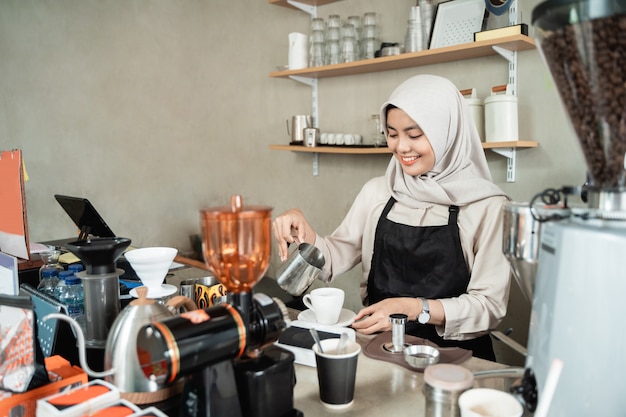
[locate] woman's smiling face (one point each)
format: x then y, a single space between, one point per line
408 143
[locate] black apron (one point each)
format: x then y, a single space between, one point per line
424 262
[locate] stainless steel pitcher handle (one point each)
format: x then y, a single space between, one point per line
80 338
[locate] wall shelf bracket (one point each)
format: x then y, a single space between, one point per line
316 164
509 154
311 82
307 8
505 53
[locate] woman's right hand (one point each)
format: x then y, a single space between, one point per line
289 227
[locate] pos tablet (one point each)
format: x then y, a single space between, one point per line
85 216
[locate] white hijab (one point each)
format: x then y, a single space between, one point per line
460 175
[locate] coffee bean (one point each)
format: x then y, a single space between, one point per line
588 63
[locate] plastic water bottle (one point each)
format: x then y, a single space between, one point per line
73 297
63 276
75 268
49 281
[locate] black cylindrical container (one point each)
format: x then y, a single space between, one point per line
191 341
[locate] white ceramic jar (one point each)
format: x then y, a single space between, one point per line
501 117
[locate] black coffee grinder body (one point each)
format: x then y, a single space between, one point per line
231 368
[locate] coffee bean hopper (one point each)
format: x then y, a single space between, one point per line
579 288
227 352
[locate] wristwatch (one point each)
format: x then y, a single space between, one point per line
424 316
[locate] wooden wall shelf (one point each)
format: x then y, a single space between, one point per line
385 150
315 3
452 53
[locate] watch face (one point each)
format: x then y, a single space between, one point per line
423 317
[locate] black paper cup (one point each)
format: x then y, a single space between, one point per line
336 374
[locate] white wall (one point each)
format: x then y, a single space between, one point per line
154 109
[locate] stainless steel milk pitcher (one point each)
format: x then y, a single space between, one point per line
298 124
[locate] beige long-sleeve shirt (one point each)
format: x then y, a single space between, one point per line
470 315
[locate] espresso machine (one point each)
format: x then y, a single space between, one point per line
226 352
579 288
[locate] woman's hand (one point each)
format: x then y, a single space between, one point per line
289 227
375 318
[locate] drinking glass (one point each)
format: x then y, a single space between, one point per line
370 31
317 23
368 48
370 19
333 52
348 49
317 54
317 36
333 21
333 34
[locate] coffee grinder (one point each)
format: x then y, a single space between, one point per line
227 352
579 289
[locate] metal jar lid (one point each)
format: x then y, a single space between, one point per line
448 377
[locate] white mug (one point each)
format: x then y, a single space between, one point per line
326 303
339 138
348 139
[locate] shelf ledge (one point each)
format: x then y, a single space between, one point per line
508 149
414 59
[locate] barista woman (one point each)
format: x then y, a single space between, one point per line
429 232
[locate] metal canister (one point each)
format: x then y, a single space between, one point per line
443 384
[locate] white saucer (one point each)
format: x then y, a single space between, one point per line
346 317
160 292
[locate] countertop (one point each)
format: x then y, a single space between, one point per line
380 386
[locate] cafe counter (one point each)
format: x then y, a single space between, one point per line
381 387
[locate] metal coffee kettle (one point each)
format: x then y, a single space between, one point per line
121 360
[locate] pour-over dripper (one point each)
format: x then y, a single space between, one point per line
581 42
151 265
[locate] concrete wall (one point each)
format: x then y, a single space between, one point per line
154 109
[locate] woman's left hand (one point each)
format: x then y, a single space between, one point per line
375 318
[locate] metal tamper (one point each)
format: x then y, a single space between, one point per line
397 344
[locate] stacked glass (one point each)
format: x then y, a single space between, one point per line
356 22
333 41
413 40
349 48
427 11
369 43
317 51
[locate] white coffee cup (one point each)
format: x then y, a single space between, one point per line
339 138
488 402
348 139
332 138
326 303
